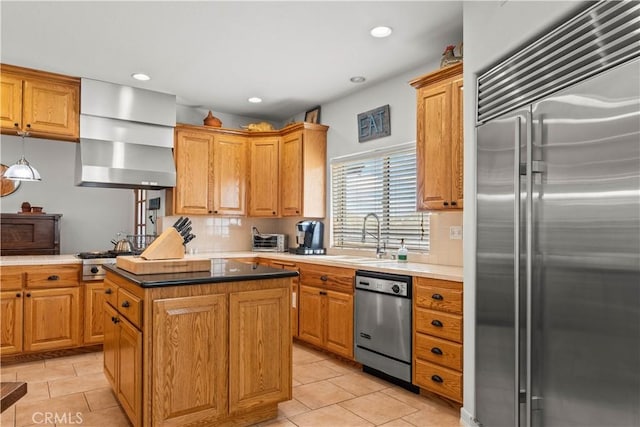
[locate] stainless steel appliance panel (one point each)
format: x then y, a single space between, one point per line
586 253
497 383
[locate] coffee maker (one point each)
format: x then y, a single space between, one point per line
309 237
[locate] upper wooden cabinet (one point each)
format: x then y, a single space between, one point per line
264 180
45 104
303 164
284 172
211 172
440 139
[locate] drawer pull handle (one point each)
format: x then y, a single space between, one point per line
116 320
436 350
324 278
323 293
437 297
108 291
53 277
113 319
126 304
436 323
363 335
18 295
446 203
28 295
436 379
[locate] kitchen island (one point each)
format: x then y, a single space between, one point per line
199 348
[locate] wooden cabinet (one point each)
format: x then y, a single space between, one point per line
284 172
303 162
264 180
41 308
30 234
230 169
199 382
266 376
11 321
193 152
51 318
439 139
45 104
94 299
437 328
325 316
211 172
123 362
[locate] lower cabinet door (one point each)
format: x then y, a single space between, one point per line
129 372
310 318
259 325
11 322
94 298
189 360
339 317
110 346
52 318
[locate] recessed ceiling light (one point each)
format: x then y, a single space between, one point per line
255 100
357 79
381 32
140 76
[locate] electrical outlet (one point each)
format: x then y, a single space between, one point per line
455 232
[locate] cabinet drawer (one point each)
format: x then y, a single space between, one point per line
436 298
56 276
438 323
11 278
436 350
111 292
443 381
130 306
335 278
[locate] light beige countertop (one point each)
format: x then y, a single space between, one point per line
434 271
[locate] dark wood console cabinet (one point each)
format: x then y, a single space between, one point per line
30 234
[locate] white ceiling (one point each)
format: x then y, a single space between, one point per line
216 54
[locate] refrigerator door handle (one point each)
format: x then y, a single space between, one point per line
529 269
518 170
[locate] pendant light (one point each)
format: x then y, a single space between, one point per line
22 170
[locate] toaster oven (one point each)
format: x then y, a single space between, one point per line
269 242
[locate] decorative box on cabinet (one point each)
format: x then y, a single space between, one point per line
45 104
437 329
439 146
30 234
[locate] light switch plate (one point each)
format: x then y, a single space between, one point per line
455 232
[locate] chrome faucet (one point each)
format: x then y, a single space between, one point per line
379 251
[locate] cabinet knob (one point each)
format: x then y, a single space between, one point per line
436 350
113 319
28 295
454 203
116 320
29 125
324 278
273 213
210 211
53 277
125 304
297 212
437 297
16 125
108 291
18 295
436 323
436 378
215 212
446 203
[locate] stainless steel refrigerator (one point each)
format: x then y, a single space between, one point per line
558 257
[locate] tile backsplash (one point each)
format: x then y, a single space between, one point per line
228 234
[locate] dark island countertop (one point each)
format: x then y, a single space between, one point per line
222 270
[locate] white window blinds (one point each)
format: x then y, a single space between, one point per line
383 183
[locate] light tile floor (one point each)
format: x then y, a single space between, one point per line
326 392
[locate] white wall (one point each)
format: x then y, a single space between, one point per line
492 29
91 216
342 138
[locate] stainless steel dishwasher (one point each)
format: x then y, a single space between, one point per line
383 324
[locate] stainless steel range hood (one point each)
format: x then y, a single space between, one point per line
126 137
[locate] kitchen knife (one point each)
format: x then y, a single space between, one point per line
184 233
175 225
182 224
189 238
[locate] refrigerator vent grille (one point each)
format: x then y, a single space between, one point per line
599 38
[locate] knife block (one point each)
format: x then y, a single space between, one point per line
166 246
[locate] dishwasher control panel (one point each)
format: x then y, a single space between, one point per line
384 283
